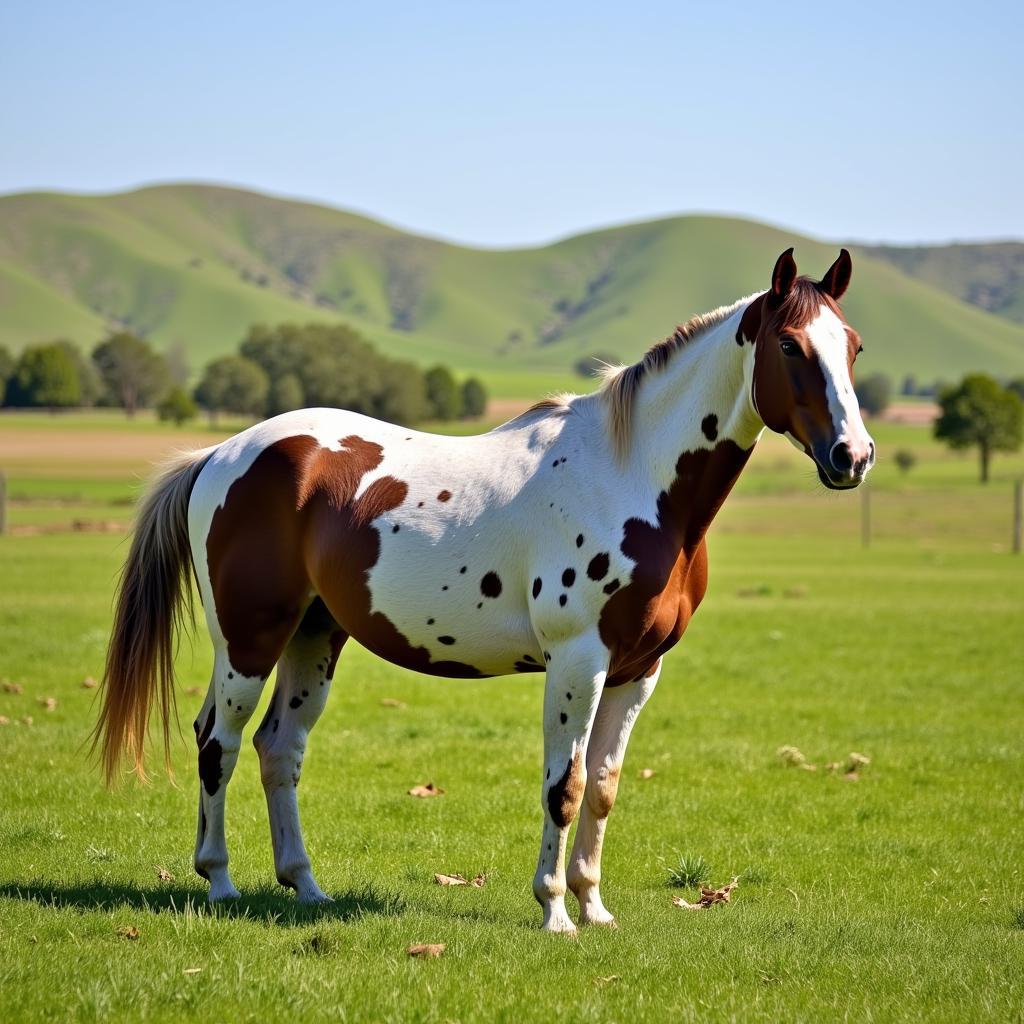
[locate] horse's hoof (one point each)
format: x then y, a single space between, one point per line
559 924
312 897
222 893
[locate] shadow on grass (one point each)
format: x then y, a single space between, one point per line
267 904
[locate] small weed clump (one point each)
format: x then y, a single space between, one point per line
691 870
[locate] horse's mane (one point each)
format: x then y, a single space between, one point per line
620 383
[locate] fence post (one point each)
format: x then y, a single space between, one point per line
1018 514
865 516
3 503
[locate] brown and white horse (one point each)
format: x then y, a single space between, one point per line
569 541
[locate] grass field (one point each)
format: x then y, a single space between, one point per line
896 897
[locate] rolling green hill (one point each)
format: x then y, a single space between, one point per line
988 275
195 265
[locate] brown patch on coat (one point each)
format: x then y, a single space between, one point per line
292 523
566 793
602 788
646 617
445 496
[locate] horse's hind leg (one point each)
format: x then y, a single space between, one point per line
304 676
616 714
229 704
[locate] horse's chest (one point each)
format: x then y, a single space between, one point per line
647 618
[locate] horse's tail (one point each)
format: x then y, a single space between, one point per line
153 593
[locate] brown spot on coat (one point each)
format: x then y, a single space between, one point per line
598 567
444 496
566 793
568 577
709 426
602 787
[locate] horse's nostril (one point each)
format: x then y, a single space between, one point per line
840 456
871 453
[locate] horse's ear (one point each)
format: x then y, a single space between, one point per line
837 280
783 275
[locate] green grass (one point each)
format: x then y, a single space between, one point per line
198 265
896 897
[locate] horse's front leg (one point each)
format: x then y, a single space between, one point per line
575 677
616 714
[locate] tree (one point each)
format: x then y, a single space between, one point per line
873 393
1016 385
88 379
980 412
474 398
45 376
176 406
233 384
285 394
904 459
443 394
402 397
6 369
131 372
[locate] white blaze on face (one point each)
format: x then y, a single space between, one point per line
829 341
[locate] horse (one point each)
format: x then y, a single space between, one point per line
568 541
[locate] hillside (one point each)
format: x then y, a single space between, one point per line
987 275
195 265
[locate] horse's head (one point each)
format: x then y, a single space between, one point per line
803 370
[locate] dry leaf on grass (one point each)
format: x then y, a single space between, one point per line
163 874
457 879
428 790
88 683
193 691
391 702
451 879
128 932
426 950
192 970
13 687
26 720
50 703
708 897
4 720
647 773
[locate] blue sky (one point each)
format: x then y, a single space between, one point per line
510 124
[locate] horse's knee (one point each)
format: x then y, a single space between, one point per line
602 787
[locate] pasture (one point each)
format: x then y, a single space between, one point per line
895 896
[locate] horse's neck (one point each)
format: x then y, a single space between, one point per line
674 434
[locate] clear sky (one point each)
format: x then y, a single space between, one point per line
503 124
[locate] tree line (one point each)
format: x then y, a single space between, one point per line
276 369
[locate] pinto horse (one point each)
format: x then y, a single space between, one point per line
568 541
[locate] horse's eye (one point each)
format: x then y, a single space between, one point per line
789 347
